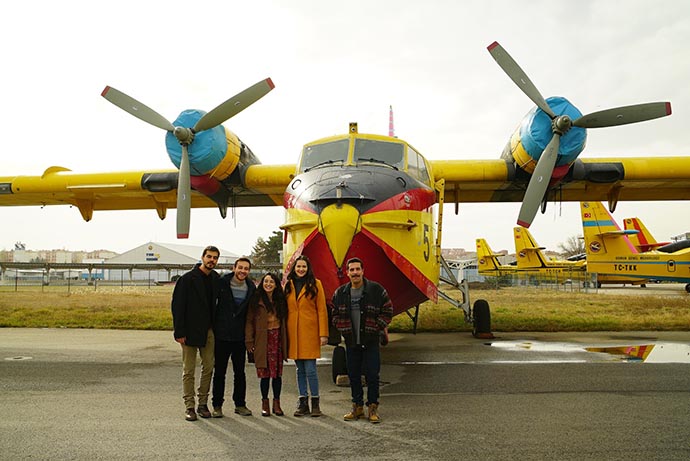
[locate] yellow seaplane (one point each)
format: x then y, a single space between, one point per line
610 251
366 195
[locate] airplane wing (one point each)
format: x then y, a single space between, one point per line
466 181
262 185
603 179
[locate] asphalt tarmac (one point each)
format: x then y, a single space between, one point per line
103 394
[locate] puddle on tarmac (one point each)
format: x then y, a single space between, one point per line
647 353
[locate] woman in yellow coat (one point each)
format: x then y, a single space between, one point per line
307 330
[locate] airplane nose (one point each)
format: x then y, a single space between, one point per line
339 224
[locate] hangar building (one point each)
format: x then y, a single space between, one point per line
158 262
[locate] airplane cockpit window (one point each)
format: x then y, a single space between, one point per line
387 153
324 154
423 172
416 166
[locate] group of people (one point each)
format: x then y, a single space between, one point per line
230 318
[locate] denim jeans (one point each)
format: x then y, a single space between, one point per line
225 351
364 360
306 373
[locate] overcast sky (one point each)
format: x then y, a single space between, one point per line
332 63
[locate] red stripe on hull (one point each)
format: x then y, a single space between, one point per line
378 266
418 200
418 279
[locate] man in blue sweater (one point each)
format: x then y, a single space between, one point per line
234 291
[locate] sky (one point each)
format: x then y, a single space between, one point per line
332 63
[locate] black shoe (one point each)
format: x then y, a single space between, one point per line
190 414
203 411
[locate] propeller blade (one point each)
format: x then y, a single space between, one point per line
134 107
234 105
517 75
539 182
624 115
184 199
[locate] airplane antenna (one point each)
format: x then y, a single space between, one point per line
391 129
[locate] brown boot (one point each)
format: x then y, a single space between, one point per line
374 413
302 407
315 410
356 413
276 408
265 409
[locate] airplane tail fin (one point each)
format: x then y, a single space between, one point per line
487 260
527 252
603 237
644 240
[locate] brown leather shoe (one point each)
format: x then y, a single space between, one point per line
265 409
315 408
302 407
276 408
374 413
356 413
190 414
202 410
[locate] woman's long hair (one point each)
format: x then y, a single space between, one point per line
309 279
278 305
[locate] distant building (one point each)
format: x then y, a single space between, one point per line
159 255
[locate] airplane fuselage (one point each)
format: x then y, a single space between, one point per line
369 197
609 250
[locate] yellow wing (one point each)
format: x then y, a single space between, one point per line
603 179
262 185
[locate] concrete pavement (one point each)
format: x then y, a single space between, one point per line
104 394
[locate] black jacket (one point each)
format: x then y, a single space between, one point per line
230 317
192 311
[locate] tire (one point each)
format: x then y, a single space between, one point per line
687 287
481 318
339 363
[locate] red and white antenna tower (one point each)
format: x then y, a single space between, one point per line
391 129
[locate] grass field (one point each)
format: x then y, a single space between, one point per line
512 309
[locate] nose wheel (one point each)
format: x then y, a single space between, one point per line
339 363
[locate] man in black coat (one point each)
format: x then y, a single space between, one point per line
193 303
234 291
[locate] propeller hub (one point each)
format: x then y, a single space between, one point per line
184 135
561 124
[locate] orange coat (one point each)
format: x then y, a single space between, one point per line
307 320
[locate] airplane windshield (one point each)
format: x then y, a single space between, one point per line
389 153
324 154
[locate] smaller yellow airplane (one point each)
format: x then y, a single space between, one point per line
530 257
610 251
530 262
488 262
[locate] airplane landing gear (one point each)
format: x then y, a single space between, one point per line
481 320
339 363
